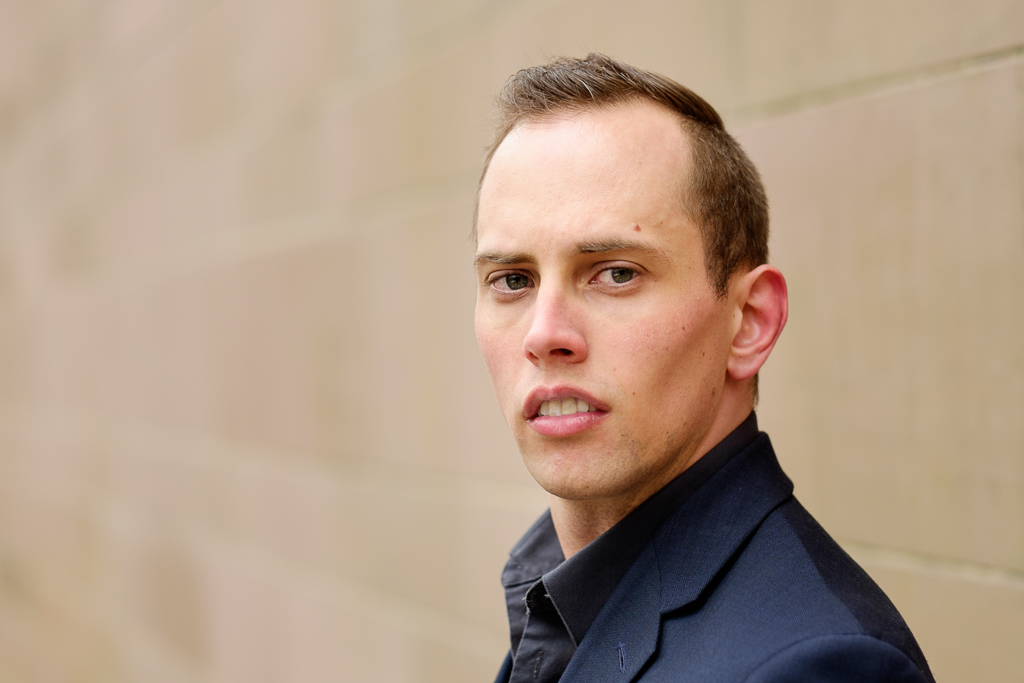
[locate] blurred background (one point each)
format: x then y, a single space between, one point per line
245 432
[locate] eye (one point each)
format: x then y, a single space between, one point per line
616 276
516 281
511 282
621 275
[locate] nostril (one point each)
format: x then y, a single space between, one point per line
564 352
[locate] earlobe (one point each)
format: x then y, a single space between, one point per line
763 302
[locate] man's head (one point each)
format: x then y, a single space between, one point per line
722 191
620 276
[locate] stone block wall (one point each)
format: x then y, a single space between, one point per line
245 433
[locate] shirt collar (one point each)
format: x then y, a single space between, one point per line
580 586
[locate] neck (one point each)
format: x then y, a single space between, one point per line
578 522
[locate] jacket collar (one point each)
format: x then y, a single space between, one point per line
700 537
686 554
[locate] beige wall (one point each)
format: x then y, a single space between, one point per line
245 434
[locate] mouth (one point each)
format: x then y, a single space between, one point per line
565 406
563 411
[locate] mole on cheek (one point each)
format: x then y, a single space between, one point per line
637 228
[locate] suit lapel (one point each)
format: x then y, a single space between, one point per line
625 633
686 554
698 539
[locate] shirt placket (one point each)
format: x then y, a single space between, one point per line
546 648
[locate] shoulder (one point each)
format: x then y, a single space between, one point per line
846 598
790 594
838 659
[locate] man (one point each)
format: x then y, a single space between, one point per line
625 306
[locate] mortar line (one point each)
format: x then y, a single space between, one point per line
754 114
965 570
1020 148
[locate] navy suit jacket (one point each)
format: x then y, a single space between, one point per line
741 584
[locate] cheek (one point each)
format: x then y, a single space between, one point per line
499 352
668 354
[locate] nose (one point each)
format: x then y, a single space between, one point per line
554 335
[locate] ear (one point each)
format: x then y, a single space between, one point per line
762 305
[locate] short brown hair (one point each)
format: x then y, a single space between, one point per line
725 195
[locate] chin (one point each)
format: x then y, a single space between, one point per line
583 481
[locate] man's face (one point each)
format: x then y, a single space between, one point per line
592 287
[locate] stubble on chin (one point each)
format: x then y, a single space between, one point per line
594 473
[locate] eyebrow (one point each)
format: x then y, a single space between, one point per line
619 244
501 259
588 247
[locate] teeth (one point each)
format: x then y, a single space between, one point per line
566 406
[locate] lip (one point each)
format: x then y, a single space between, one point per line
533 400
563 425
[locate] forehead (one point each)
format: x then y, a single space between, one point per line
576 172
